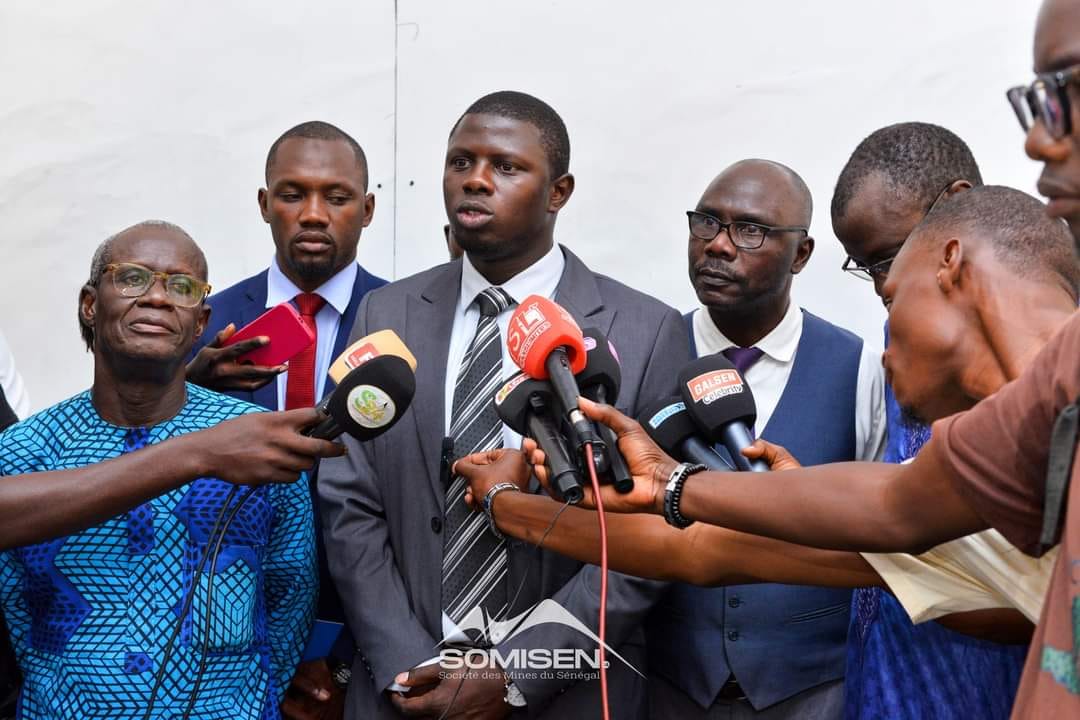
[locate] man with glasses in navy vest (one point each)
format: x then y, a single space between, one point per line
766 651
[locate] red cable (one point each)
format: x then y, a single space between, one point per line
603 580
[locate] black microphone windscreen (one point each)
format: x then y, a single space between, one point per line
715 394
372 397
513 400
601 366
668 424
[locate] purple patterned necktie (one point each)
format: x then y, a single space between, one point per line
742 358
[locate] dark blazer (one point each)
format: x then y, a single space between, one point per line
382 505
242 303
246 300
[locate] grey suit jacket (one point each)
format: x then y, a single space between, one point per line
382 505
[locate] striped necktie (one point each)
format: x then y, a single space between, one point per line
474 560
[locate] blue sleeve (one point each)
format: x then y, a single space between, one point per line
291 577
16 613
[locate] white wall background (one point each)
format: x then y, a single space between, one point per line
120 110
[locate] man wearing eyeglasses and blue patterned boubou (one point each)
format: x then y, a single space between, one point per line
196 603
768 651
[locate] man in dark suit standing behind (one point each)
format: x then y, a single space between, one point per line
397 531
316 204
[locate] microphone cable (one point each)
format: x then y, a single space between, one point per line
513 600
185 608
603 579
208 611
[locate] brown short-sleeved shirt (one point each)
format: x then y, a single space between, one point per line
997 453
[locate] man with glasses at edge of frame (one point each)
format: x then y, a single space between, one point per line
744 648
1008 463
121 620
893 179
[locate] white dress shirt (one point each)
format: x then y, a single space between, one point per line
768 377
12 382
540 278
337 292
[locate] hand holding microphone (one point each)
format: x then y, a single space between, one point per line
259 448
649 466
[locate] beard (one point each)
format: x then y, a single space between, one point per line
316 270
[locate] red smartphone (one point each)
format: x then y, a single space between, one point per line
287 332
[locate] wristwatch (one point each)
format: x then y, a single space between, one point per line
514 697
489 498
340 674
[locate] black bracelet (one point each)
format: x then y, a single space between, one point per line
673 494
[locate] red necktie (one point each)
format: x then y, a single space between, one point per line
300 383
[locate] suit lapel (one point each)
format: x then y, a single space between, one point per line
348 318
579 294
429 319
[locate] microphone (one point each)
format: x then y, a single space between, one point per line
722 405
546 343
672 428
383 342
368 401
524 404
600 382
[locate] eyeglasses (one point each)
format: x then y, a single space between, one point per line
133 280
868 272
1046 99
880 269
743 234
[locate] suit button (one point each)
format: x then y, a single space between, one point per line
733 635
436 524
734 602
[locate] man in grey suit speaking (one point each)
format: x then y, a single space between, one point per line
409 560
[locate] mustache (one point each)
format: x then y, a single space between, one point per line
717 270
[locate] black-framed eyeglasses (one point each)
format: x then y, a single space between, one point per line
134 280
744 234
880 269
1047 100
868 272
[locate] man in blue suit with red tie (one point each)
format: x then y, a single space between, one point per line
317 204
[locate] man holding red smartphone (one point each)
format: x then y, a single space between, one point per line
317 204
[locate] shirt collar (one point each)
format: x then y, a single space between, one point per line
780 344
540 278
337 291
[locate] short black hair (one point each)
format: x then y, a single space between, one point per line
918 160
1023 237
319 130
526 108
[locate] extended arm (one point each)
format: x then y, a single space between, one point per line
871 507
252 449
646 546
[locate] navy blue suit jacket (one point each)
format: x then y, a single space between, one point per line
246 300
242 303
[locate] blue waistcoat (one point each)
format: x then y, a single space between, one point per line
778 640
